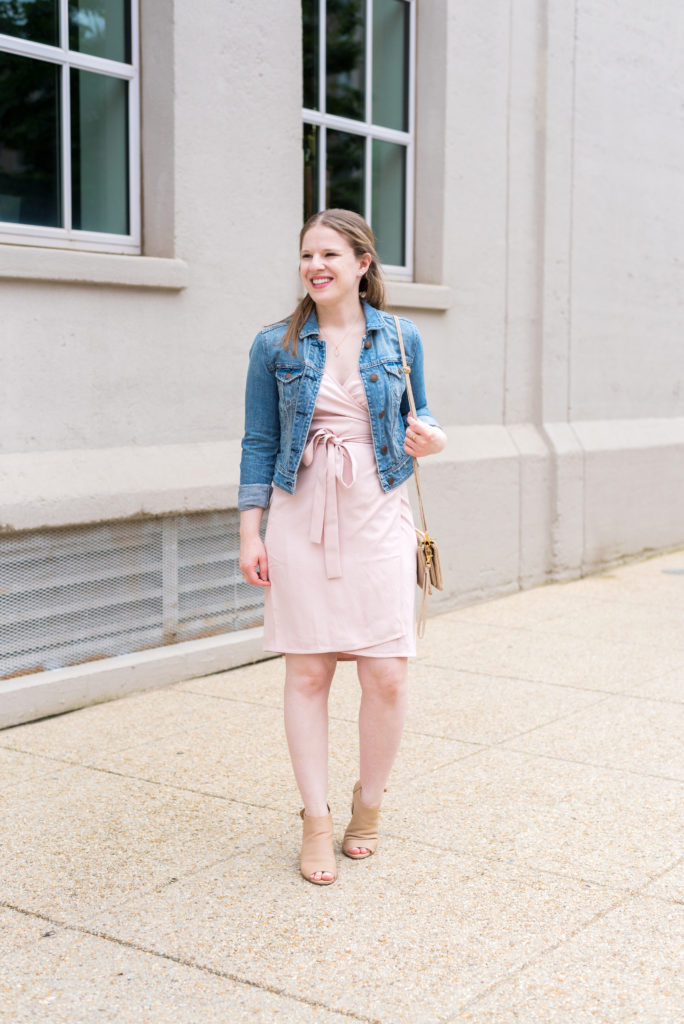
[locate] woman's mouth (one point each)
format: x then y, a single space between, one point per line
320 281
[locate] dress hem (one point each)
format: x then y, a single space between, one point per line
346 655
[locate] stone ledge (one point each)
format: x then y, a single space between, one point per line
410 295
40 694
32 263
78 486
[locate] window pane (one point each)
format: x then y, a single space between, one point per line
99 146
37 20
345 63
30 171
390 63
310 52
345 171
311 143
101 28
388 216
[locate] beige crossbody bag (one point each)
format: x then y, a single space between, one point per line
429 570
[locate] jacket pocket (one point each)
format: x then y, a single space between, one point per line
289 381
394 391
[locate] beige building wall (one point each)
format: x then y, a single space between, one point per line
549 289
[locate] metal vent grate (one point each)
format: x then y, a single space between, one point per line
72 595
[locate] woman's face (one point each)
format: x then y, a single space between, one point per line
330 269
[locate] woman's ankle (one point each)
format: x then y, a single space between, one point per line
316 810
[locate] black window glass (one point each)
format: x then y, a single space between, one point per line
37 20
311 165
30 172
345 58
101 28
310 52
345 171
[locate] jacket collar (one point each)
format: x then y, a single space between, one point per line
373 321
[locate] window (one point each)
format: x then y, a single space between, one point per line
69 150
358 60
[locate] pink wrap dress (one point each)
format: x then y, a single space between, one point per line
341 551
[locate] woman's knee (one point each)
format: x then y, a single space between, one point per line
308 675
384 679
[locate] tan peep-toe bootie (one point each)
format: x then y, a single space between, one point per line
318 853
362 830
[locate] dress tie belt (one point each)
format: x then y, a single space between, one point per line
339 464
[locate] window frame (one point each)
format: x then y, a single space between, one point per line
68 237
369 131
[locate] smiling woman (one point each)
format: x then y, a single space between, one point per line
329 442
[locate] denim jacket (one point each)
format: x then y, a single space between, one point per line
281 394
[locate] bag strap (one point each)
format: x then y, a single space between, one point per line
425 538
412 406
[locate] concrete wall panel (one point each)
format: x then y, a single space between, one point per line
628 234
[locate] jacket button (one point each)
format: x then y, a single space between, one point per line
381 414
383 450
373 377
390 480
288 376
367 343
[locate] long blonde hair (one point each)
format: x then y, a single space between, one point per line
360 237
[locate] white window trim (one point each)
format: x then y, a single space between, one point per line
370 131
68 238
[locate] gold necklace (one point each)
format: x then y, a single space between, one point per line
338 345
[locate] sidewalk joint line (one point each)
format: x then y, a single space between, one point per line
184 962
596 764
521 968
629 896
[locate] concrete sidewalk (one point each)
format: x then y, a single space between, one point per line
530 867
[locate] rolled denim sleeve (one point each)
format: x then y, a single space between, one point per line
417 378
261 440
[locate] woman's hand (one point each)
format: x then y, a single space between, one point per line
253 557
423 439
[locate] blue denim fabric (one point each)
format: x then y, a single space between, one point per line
281 394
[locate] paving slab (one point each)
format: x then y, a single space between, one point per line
486 709
387 941
54 975
669 885
605 826
241 753
588 663
655 625
668 687
624 967
80 736
631 733
18 768
82 839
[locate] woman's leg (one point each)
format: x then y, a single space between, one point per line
307 685
381 722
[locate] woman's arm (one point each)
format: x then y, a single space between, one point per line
261 438
424 436
253 557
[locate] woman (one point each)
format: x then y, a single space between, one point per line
327 423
